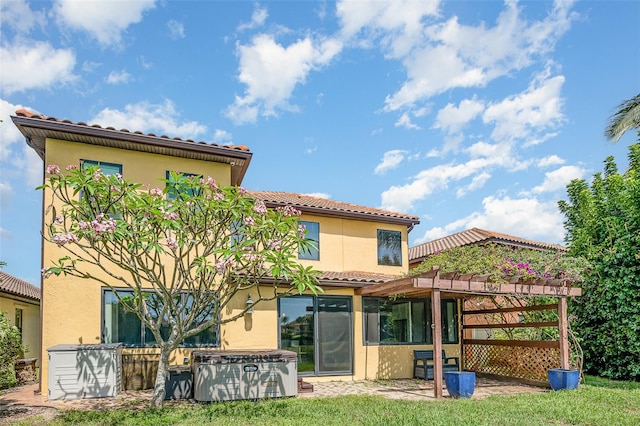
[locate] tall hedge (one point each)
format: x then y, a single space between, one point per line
602 223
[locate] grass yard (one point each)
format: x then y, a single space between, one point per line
598 402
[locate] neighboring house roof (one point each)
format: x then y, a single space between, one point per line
37 127
475 236
17 287
325 207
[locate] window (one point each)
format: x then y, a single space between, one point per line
122 326
406 321
18 322
389 248
313 233
320 330
108 169
175 189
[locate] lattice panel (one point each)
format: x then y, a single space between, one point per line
511 361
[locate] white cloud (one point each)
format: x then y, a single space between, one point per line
105 21
146 117
23 64
452 119
551 160
559 179
222 136
405 121
271 72
523 217
90 66
322 195
6 194
17 14
398 23
258 18
471 56
9 134
390 160
118 77
477 182
5 234
176 29
530 114
17 159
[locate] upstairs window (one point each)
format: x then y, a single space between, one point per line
313 234
389 248
107 169
175 189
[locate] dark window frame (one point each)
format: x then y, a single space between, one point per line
172 192
143 328
389 254
313 254
446 322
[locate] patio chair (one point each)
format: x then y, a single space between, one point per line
423 364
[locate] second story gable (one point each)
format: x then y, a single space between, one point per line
349 238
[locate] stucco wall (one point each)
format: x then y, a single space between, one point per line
72 307
30 322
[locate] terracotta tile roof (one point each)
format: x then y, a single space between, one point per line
475 236
37 127
353 278
322 206
15 286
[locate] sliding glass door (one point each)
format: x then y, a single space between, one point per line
319 329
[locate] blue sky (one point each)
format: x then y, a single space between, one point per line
464 113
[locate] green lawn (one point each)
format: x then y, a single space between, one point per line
598 402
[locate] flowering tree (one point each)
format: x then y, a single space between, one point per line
184 250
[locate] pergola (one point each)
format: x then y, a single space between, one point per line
435 286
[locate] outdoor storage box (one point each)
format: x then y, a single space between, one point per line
85 371
178 384
248 374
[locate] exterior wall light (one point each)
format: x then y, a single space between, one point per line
249 304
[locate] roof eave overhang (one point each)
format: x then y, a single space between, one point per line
372 217
37 130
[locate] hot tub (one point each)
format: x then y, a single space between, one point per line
243 374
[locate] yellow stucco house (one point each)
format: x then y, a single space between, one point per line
338 334
21 301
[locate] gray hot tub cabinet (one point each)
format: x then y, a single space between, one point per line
245 374
85 371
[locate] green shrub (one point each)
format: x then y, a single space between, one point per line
10 348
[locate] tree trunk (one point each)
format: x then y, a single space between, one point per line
163 372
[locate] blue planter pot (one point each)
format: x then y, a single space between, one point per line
561 378
460 384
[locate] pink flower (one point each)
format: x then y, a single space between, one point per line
59 219
72 167
52 169
288 211
156 192
46 272
62 239
249 221
259 207
172 243
97 175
